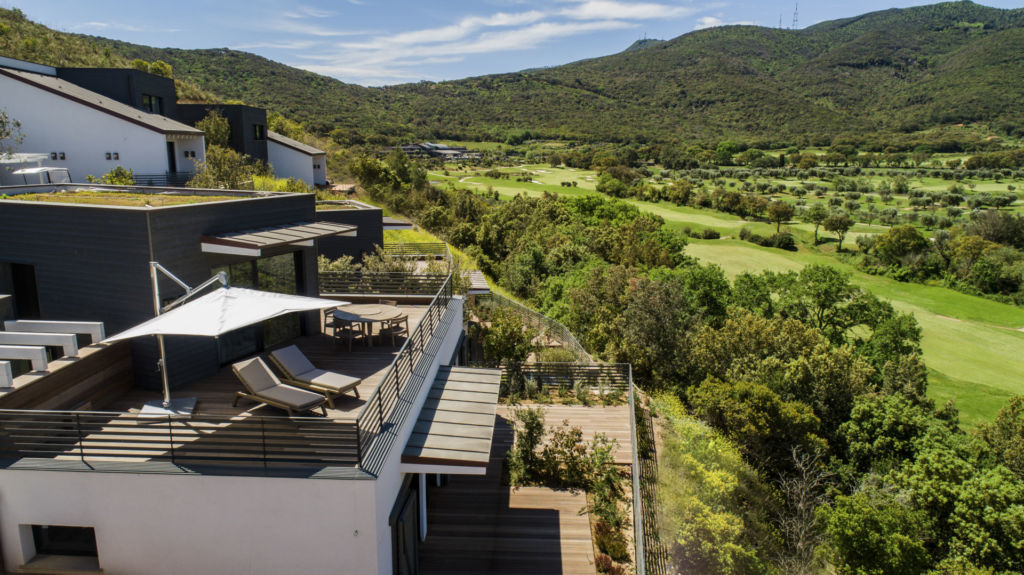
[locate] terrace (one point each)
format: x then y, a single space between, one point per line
124 196
219 438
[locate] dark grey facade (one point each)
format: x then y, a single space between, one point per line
370 233
142 90
248 125
91 263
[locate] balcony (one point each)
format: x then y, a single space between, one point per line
351 442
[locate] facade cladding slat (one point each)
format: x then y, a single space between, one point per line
369 233
241 118
92 264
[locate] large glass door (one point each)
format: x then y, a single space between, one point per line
278 274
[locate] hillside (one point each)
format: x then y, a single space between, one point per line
892 71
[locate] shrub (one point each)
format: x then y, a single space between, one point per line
610 541
522 461
710 234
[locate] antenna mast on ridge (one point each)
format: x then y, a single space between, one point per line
796 11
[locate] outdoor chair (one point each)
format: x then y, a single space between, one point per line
394 327
348 330
329 322
299 371
264 387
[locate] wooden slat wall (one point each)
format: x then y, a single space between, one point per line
100 375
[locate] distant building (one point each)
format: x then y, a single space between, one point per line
432 150
150 99
248 125
293 159
90 134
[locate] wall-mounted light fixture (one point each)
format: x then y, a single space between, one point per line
117 156
62 155
108 155
53 155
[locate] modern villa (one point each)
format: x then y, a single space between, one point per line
91 120
91 482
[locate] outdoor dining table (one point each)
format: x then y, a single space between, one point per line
366 314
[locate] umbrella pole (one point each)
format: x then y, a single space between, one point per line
163 373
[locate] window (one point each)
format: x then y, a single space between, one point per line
279 274
152 104
63 540
259 132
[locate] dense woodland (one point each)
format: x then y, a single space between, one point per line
798 421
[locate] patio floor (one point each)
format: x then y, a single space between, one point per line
477 525
216 393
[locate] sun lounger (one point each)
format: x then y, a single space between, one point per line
263 386
299 371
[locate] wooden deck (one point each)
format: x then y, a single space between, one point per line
477 525
612 421
216 393
219 433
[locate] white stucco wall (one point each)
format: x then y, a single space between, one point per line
389 482
168 524
289 163
320 169
51 123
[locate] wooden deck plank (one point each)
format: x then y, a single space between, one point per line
613 421
477 525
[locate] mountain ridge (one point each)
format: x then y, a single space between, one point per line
891 72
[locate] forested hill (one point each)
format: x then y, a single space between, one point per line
890 71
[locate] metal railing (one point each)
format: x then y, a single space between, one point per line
638 515
545 325
387 407
597 377
270 443
651 552
384 283
435 250
166 180
94 436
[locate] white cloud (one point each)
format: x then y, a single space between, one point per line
713 21
107 26
301 12
282 45
612 10
306 29
389 58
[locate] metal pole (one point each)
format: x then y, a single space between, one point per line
162 363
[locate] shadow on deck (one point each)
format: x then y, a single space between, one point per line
477 525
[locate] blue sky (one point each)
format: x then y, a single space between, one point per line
378 42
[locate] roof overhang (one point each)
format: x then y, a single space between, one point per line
253 242
391 223
456 425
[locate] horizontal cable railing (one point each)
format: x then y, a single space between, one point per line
381 413
437 250
93 436
545 325
169 180
598 377
387 283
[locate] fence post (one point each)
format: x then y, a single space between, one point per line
263 441
81 438
170 436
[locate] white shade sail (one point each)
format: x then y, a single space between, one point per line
224 310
